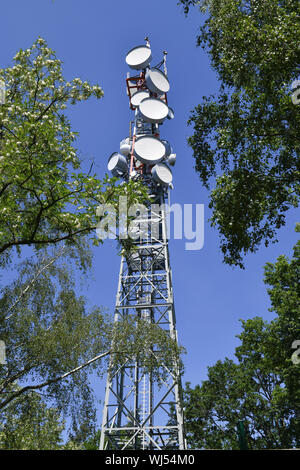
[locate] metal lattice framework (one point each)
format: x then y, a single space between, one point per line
140 412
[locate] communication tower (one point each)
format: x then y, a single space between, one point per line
137 413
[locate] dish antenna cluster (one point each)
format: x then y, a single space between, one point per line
140 412
143 154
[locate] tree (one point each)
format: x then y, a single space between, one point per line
247 137
261 387
51 336
27 424
45 197
202 4
93 442
54 341
284 279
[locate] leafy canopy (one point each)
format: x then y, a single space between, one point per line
29 424
261 387
45 197
54 341
246 138
49 330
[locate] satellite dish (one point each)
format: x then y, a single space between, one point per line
171 159
138 96
139 57
149 149
157 81
125 146
171 114
117 164
153 110
162 174
168 147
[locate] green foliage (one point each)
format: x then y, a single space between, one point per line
136 337
284 279
261 388
203 4
27 424
93 442
53 339
247 137
84 435
45 197
49 331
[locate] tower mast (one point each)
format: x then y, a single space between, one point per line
137 413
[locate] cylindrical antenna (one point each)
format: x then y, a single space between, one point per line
165 63
147 41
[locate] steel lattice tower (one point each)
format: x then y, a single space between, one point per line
137 413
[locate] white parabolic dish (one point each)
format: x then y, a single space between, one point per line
149 149
162 174
139 57
125 146
117 163
157 81
171 114
168 147
153 110
138 96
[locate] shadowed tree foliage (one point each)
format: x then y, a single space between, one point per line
54 341
246 138
29 425
262 386
49 331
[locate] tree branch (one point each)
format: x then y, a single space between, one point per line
51 381
31 283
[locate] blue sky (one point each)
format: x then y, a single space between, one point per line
91 38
